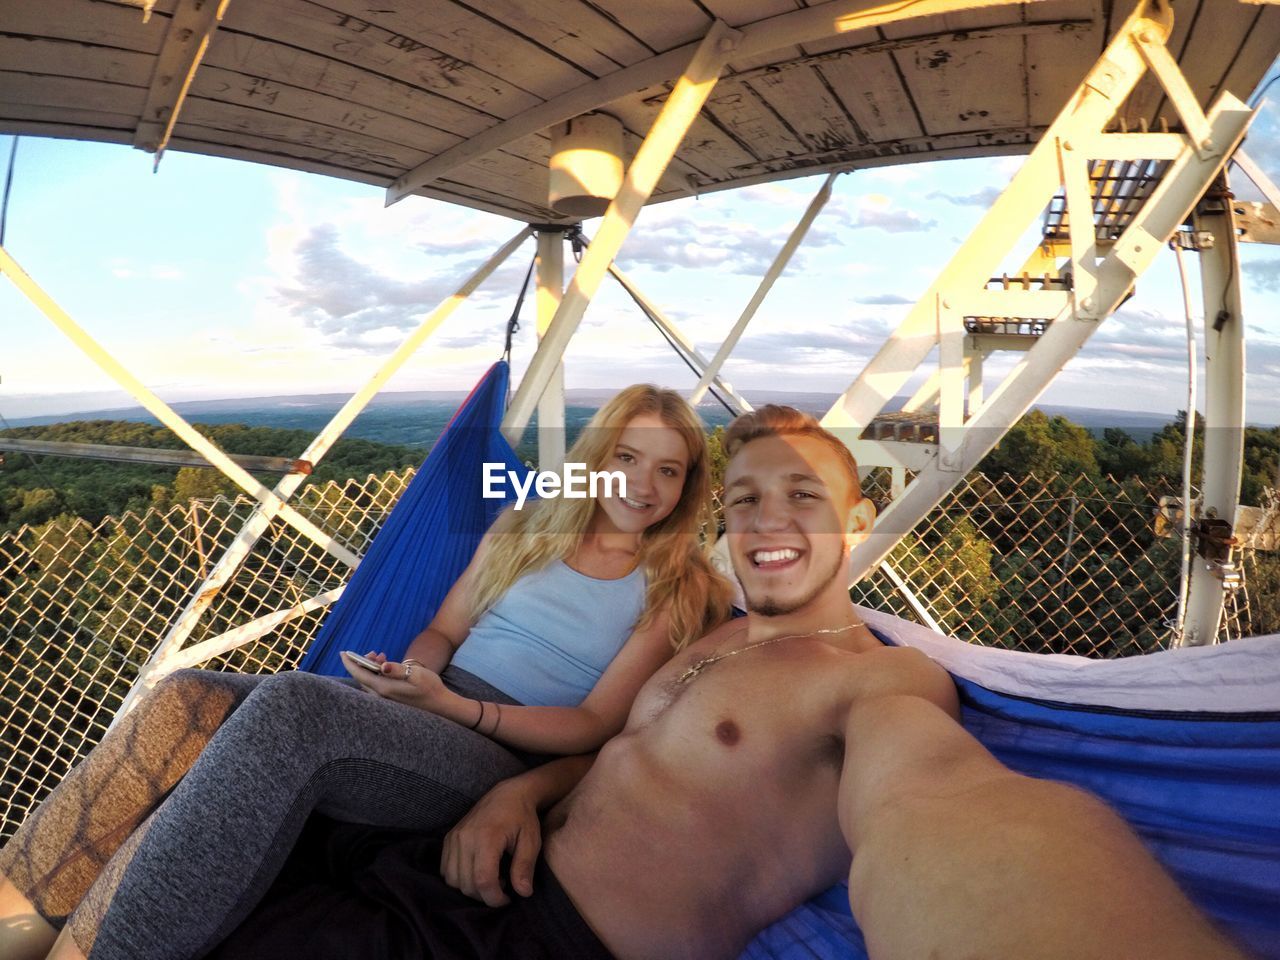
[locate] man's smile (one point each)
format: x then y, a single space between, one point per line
774 558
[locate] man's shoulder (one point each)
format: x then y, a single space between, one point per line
896 671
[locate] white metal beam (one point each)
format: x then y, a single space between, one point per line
1169 205
802 26
766 284
550 291
1223 413
1258 176
198 653
736 400
185 43
166 414
1086 115
651 159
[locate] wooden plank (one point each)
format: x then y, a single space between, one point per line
70 59
370 47
1250 67
291 156
43 90
872 92
573 29
256 57
962 85
1057 63
705 147
345 148
341 146
473 195
98 24
229 87
152 455
748 118
809 106
457 32
988 143
278 151
659 24
66 122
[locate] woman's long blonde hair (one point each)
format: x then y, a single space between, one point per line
681 581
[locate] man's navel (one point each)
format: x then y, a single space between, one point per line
727 732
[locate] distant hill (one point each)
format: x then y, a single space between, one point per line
415 418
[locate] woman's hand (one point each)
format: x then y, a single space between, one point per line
505 820
409 682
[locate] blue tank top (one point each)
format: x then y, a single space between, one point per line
550 636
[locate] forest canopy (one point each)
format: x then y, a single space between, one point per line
36 489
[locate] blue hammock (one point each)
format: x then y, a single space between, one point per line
428 539
1185 744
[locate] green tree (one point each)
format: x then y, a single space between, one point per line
1042 445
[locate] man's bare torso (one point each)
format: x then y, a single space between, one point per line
714 811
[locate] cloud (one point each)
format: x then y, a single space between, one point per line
800 348
680 241
877 211
356 305
983 198
336 294
1265 274
883 300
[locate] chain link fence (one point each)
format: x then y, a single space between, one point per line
1069 565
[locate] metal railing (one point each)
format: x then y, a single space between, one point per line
1058 564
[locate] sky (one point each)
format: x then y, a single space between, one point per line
215 278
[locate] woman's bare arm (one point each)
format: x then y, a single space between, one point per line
562 730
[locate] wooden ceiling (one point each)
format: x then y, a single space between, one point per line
373 91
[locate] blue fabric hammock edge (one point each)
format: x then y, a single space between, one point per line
427 540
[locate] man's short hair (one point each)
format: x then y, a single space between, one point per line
775 420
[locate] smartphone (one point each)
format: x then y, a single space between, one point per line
364 661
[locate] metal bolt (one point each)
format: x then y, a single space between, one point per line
1087 304
1066 145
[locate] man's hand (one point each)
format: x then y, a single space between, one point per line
504 821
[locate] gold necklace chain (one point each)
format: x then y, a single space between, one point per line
692 671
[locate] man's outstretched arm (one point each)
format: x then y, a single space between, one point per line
954 855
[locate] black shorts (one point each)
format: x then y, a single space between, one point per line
361 892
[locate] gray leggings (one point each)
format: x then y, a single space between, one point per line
164 837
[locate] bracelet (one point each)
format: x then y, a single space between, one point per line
479 718
497 723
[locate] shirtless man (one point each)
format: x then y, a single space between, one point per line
791 749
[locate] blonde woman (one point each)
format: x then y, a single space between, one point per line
568 606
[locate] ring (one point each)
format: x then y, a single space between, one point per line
408 672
